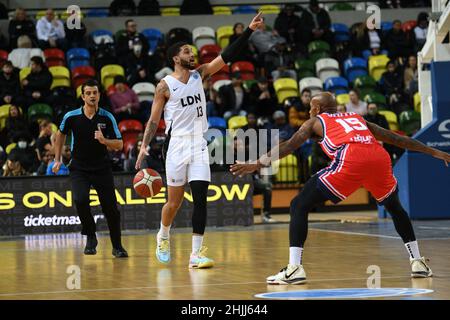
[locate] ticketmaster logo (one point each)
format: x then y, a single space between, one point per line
42 221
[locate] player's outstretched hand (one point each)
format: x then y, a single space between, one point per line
240 168
142 154
256 22
443 156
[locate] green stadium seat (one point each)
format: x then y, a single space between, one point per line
409 121
39 111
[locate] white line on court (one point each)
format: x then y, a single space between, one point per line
357 233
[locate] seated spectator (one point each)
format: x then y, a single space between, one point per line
299 112
279 63
43 142
137 68
124 101
356 105
263 98
341 108
262 41
235 100
397 43
25 153
317 23
20 25
362 39
244 54
122 8
9 84
127 40
288 25
374 117
36 86
214 103
64 170
46 158
196 7
154 159
3 11
50 32
13 167
75 36
411 76
391 83
280 123
16 124
421 31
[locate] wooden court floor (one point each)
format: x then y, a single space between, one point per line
335 257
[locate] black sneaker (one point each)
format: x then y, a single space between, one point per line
120 252
91 245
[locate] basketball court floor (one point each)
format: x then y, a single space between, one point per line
337 256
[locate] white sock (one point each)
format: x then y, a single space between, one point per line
196 243
295 255
164 231
413 250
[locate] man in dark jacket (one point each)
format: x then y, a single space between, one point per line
122 8
397 43
20 26
36 86
235 99
316 23
263 98
127 40
288 25
196 7
9 83
138 69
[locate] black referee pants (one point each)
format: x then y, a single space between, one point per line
103 182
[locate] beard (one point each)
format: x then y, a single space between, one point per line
187 64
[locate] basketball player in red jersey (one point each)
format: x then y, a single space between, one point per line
358 160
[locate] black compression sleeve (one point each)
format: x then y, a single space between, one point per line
233 49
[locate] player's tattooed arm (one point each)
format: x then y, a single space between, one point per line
406 142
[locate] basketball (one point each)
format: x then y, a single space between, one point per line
147 183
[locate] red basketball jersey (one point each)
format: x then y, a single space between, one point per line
340 129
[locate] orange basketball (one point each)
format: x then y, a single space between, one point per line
147 183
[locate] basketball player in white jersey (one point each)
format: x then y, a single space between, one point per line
181 96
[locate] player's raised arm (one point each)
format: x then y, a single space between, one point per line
231 51
162 94
406 142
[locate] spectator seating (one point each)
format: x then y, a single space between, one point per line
64 15
417 102
170 12
130 129
108 73
61 77
343 98
355 67
203 35
287 169
97 13
39 111
376 97
409 25
154 38
326 68
3 57
209 52
386 26
377 66
337 85
269 9
246 69
391 118
219 83
20 57
223 35
222 10
81 74
285 88
237 122
318 49
248 84
78 57
409 121
195 52
4 114
311 83
41 13
54 57
341 32
24 72
222 74
145 91
245 9
10 147
365 84
341 6
177 35
305 68
101 36
217 123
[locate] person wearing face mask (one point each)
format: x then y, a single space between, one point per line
26 153
137 67
127 40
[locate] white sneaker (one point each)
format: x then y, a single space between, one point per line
162 249
292 274
419 268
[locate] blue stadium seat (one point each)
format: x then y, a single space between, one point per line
367 53
97 13
244 10
355 67
341 32
386 26
101 32
217 122
337 85
77 57
154 36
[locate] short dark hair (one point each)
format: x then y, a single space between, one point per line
128 21
8 63
306 90
90 83
119 79
174 50
38 60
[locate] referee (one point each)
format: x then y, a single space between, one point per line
94 131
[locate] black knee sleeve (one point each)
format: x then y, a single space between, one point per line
199 191
400 218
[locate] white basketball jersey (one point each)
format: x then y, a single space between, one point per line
185 111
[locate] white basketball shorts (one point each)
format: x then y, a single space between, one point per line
187 159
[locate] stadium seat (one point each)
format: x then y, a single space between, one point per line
81 74
269 9
203 35
102 36
209 52
169 12
237 122
355 67
327 68
78 91
222 10
391 118
318 49
24 73
119 34
343 98
9 147
61 77
245 9
409 121
417 102
386 26
154 38
222 74
375 97
311 83
223 35
245 68
248 84
97 13
337 85
39 111
377 65
54 57
20 57
341 32
217 123
108 73
4 114
219 83
195 52
130 129
178 35
78 57
3 57
305 68
287 169
144 90
285 88
342 6
366 83
409 25
65 15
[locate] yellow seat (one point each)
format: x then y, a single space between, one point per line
195 52
221 10
64 15
108 73
42 13
4 114
172 11
24 72
61 76
343 98
377 65
285 88
223 35
269 9
417 102
287 169
9 147
79 91
237 122
391 118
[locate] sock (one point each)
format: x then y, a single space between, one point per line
295 255
164 231
413 249
196 243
